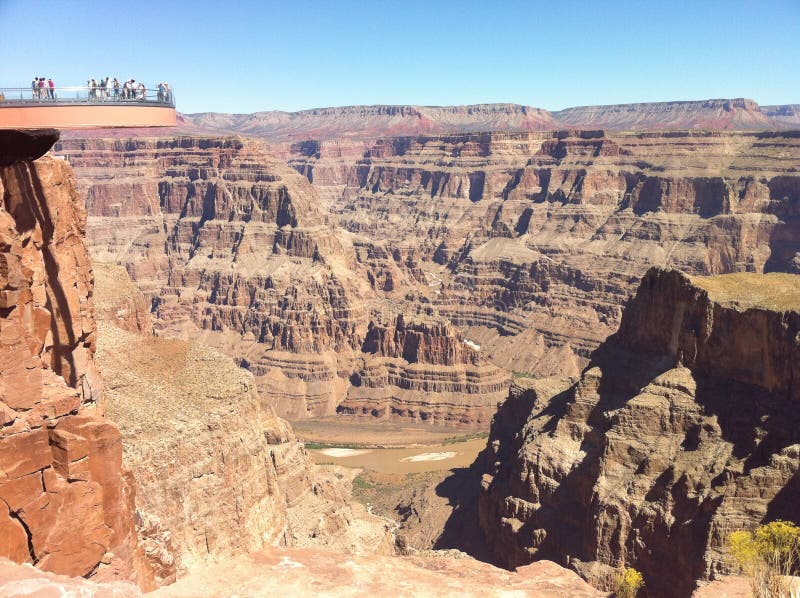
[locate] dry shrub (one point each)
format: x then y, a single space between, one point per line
766 556
629 582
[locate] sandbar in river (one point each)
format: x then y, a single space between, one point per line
404 460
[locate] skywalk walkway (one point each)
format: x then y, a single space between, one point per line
85 107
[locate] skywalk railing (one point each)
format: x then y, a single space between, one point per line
44 96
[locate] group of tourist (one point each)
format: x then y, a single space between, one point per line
43 90
112 88
129 90
103 89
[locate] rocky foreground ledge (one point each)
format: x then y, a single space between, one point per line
309 572
684 428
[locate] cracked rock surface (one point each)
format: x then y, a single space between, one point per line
65 503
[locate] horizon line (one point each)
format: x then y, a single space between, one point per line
478 104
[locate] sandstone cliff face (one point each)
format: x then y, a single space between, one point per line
65 502
521 240
196 437
529 243
218 474
233 248
538 239
682 429
227 246
423 370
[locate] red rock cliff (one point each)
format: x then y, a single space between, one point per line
65 502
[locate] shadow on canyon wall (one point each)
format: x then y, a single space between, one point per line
29 212
461 531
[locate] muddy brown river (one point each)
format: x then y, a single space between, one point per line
435 457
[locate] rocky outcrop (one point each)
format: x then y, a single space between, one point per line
66 505
433 342
425 371
234 249
682 429
25 146
118 301
17 581
303 572
196 437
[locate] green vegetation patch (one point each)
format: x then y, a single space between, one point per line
315 446
516 375
361 483
458 439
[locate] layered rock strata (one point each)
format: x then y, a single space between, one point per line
233 248
66 505
366 123
219 474
682 429
424 371
717 114
538 239
529 243
361 122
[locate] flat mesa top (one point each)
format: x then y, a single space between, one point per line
775 291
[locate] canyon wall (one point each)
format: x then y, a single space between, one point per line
531 243
66 504
528 244
233 248
682 429
200 468
218 473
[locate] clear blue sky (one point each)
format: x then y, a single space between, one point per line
250 56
